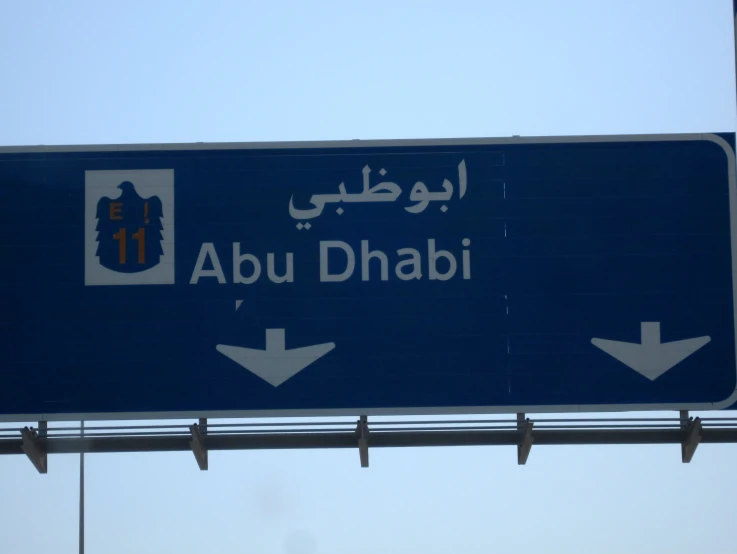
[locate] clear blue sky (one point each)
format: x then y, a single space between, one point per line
176 71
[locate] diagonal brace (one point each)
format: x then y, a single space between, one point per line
197 444
362 432
34 450
526 439
692 437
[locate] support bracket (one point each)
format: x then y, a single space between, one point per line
524 426
692 436
362 432
33 448
197 444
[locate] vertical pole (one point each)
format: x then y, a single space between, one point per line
81 492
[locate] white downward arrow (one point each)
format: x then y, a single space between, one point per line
651 358
276 364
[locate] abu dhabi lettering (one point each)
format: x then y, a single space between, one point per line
338 261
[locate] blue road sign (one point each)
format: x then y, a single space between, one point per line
439 276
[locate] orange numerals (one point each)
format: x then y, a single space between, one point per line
120 237
139 237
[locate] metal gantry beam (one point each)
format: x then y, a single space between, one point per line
202 437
